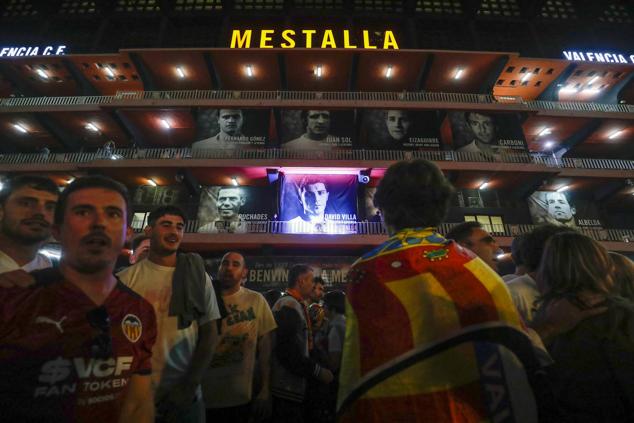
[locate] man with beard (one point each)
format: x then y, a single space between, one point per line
27 204
230 122
229 202
559 210
245 337
76 347
182 353
317 137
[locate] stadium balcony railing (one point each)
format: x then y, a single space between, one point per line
377 228
279 97
186 153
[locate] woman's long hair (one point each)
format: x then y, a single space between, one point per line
623 275
573 263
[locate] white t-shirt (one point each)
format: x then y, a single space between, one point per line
174 348
7 264
229 379
524 293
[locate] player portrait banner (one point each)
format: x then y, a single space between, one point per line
494 136
561 208
230 209
231 128
399 130
271 272
316 129
318 204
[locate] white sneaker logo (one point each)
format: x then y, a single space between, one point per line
57 324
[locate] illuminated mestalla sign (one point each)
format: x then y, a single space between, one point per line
325 39
599 57
19 51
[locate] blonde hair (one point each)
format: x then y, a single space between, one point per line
572 263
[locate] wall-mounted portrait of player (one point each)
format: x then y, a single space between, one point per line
318 203
489 134
551 207
231 128
230 209
399 129
316 129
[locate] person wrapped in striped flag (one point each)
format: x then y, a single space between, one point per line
424 318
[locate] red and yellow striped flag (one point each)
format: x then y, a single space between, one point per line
410 292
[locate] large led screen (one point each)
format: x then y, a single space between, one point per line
230 209
318 204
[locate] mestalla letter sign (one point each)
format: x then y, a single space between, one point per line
18 51
311 38
599 57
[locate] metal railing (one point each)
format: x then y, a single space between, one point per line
364 99
377 228
186 153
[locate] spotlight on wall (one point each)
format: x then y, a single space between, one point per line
549 144
234 181
20 128
563 188
484 185
91 127
41 73
151 182
458 73
318 71
249 70
165 124
180 71
615 134
388 72
545 131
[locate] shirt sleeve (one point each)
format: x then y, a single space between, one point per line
266 321
144 350
211 305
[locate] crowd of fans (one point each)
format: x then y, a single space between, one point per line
427 330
